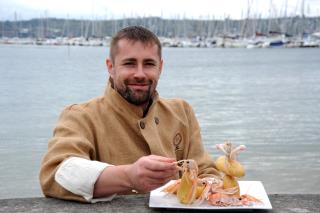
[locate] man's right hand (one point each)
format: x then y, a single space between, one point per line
151 172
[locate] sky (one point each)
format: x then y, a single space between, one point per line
114 9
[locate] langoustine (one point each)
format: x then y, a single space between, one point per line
216 191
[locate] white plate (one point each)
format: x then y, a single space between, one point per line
160 199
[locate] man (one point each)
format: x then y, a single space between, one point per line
129 139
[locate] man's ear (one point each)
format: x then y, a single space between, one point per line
110 67
161 66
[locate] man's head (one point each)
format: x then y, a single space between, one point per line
135 64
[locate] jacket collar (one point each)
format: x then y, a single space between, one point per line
121 105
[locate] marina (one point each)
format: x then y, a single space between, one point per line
311 41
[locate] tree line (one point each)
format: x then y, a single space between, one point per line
54 27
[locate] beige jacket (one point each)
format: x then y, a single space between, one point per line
111 130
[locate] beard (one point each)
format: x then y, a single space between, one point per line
136 97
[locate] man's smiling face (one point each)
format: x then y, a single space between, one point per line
135 70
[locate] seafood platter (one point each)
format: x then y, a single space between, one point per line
223 191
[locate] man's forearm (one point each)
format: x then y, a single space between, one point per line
112 180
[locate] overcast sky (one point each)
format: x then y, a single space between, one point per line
201 9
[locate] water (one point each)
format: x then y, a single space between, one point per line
267 99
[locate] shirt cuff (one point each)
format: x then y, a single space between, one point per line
78 175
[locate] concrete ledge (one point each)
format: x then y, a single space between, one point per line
281 203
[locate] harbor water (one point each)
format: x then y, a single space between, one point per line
266 99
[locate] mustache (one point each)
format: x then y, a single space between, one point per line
138 81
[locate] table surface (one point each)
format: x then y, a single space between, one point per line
293 203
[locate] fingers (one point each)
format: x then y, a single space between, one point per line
157 167
159 163
151 172
161 158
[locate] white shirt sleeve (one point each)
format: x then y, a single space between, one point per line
78 175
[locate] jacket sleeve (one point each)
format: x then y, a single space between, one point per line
72 137
196 148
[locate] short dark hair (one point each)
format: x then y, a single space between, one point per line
134 33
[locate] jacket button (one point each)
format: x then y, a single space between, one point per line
142 125
156 120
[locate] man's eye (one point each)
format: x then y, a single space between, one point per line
128 63
150 64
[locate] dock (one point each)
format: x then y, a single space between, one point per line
281 203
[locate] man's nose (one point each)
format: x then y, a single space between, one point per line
140 72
